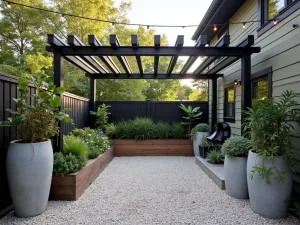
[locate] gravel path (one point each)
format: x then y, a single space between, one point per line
151 190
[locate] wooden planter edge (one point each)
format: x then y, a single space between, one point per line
70 187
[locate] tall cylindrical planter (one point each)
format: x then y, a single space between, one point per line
269 200
236 177
197 141
29 173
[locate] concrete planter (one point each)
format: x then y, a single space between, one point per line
236 177
269 200
197 141
29 173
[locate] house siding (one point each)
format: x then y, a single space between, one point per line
280 49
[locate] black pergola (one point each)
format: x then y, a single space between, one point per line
84 57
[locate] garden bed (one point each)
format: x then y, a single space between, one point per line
153 147
71 186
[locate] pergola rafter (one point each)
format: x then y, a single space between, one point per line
83 57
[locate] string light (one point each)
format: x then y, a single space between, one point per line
9 3
215 28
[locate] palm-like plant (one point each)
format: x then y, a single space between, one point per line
192 116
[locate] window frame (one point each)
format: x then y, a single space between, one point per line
265 74
266 24
227 118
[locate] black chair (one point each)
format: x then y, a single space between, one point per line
222 133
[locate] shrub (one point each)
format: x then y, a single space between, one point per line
192 115
201 127
204 142
143 128
110 130
76 146
124 130
177 131
162 130
101 116
236 146
96 142
69 163
215 157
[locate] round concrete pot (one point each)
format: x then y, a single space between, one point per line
236 177
29 172
269 200
197 141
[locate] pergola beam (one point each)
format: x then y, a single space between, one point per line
55 41
152 51
246 42
135 43
114 41
223 42
154 76
107 60
201 42
74 41
156 58
179 43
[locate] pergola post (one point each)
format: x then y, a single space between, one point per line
92 93
246 99
214 104
59 82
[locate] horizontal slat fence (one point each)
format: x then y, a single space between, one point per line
166 111
8 90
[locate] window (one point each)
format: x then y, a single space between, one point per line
262 84
229 104
271 9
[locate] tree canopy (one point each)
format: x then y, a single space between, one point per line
23 39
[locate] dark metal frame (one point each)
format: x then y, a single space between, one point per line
84 58
226 118
265 74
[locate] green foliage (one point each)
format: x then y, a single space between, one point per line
69 163
177 131
192 115
269 125
215 157
96 142
236 146
201 127
37 122
76 146
204 142
110 130
162 130
143 129
101 116
125 130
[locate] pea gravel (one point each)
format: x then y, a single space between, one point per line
151 190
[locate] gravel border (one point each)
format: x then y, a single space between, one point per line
151 190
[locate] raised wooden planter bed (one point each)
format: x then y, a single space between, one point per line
153 147
71 186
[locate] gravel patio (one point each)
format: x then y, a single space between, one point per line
151 190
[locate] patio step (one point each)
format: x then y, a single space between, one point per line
214 171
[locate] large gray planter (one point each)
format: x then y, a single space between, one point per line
236 177
269 200
197 141
29 172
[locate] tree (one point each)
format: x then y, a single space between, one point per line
202 87
184 92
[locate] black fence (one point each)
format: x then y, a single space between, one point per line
167 111
8 90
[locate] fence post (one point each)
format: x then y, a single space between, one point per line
92 101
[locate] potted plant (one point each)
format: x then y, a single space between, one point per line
30 159
215 156
192 115
197 133
235 150
269 124
203 147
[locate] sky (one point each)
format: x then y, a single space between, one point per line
170 12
